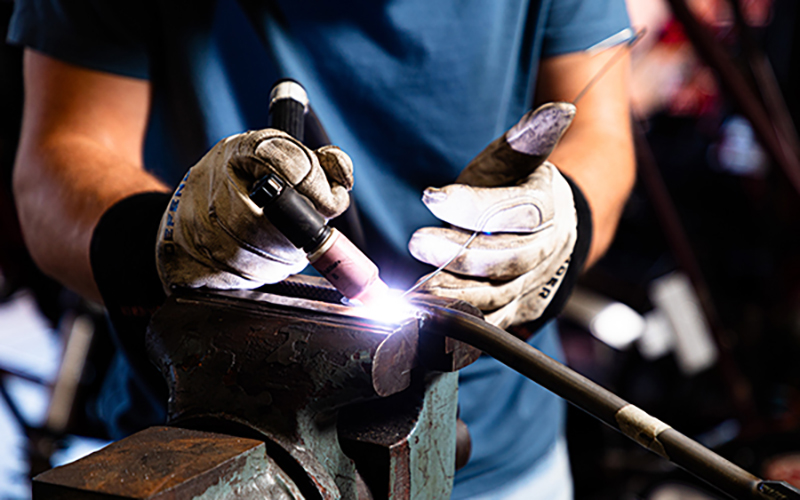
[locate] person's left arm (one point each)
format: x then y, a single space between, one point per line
597 150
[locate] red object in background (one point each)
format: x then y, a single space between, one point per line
694 90
757 13
672 33
696 93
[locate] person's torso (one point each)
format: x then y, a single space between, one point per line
410 89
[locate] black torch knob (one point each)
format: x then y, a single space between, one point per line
290 212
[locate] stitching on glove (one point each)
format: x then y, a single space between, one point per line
510 204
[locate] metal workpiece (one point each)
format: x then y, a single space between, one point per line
434 352
171 463
440 352
284 365
605 406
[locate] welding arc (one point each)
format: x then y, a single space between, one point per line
603 405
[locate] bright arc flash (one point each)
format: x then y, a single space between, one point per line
392 307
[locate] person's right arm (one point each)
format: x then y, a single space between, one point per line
80 152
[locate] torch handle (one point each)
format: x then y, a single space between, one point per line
288 103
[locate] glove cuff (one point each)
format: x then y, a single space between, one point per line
577 259
122 255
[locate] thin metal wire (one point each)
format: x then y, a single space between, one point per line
628 44
441 268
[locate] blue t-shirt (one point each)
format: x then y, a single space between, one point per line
410 89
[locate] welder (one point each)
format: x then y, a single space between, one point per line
123 97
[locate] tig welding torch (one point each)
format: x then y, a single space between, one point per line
329 251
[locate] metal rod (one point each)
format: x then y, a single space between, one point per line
731 79
767 84
602 404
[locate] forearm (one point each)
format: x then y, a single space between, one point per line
601 163
597 150
62 188
80 152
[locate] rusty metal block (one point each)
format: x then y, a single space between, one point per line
168 463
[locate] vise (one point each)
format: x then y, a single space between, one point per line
286 393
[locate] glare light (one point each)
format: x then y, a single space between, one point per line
611 322
617 325
393 307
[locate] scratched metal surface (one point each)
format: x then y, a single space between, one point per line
170 463
281 366
405 445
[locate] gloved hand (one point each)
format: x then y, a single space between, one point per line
525 210
213 235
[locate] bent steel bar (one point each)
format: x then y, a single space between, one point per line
603 404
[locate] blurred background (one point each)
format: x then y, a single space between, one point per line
705 264
693 315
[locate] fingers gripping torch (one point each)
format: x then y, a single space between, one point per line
328 251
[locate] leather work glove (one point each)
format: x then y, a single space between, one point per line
213 235
527 216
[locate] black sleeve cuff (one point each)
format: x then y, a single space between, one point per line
123 259
123 255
